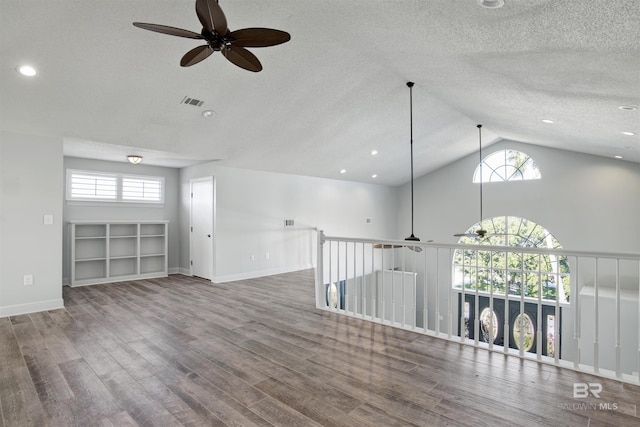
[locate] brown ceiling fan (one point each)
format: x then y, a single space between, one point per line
218 38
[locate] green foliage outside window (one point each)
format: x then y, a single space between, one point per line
503 272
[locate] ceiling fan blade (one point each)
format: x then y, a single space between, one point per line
196 55
465 235
242 58
172 31
259 37
211 16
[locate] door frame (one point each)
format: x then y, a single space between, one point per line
213 223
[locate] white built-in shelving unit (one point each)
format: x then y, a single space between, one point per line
114 251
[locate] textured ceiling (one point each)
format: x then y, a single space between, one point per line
332 94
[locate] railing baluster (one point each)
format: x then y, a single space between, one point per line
450 293
522 286
505 327
425 314
541 333
575 302
596 347
491 317
618 348
476 302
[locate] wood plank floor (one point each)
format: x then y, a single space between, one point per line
183 351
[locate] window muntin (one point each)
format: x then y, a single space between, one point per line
507 165
508 272
142 189
90 186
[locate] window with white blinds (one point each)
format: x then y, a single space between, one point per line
142 189
106 187
91 186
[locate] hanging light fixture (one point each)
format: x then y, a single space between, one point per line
134 159
481 232
410 86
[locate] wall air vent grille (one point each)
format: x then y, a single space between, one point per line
288 223
192 101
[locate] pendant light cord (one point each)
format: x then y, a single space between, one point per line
480 153
410 85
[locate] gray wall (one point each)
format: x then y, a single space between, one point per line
30 187
588 203
252 207
125 211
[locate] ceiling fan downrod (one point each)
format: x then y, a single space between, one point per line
410 86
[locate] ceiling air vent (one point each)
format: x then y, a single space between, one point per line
192 101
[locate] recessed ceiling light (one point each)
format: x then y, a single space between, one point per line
208 113
628 133
491 4
374 152
628 107
374 176
343 171
547 121
617 156
27 70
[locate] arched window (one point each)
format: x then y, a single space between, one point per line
507 165
511 272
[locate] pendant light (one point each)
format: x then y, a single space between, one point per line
410 86
481 232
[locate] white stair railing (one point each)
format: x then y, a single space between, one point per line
418 286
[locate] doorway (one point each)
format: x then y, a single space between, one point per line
201 236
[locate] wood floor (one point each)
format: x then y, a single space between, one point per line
183 351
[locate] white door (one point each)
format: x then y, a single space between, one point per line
201 236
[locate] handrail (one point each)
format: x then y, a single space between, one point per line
421 291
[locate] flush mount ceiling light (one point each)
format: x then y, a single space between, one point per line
628 107
343 171
134 159
374 176
549 121
374 152
27 70
491 4
618 156
628 133
208 113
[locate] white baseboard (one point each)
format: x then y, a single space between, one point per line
180 270
260 273
33 307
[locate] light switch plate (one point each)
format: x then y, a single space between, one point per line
48 219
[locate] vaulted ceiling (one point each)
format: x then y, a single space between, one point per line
334 93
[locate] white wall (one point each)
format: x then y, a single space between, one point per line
588 203
125 211
252 207
30 187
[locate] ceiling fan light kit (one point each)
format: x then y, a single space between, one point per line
218 38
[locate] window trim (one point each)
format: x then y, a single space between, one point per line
120 177
491 173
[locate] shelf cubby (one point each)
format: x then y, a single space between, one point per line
112 251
